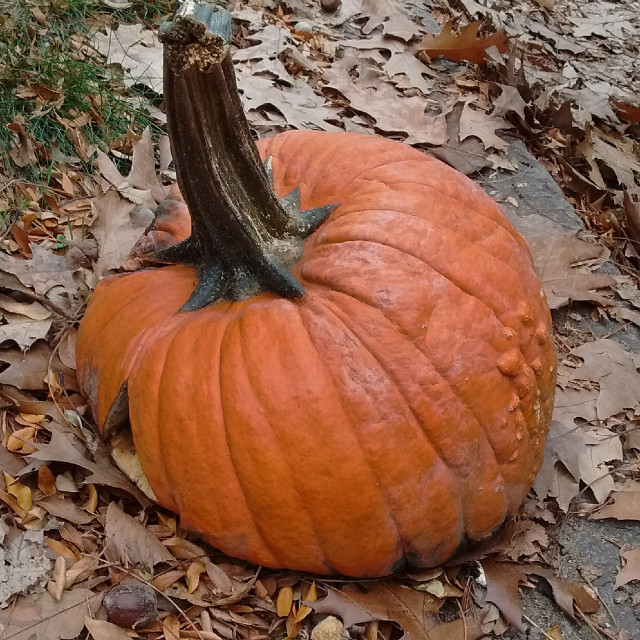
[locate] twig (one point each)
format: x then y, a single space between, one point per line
48 303
600 633
613 333
196 631
604 604
465 631
538 627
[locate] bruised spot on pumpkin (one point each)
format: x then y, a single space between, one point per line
401 563
118 414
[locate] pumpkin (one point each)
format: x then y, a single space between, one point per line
392 411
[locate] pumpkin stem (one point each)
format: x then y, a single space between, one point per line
243 240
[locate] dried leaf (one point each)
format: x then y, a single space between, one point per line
284 601
477 123
61 507
300 106
117 226
23 561
103 630
45 271
133 542
503 579
626 111
632 209
567 594
44 618
631 569
614 369
467 45
391 16
625 506
23 331
64 447
467 156
195 570
508 101
414 611
392 114
220 580
559 258
136 50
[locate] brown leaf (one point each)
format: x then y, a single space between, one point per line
626 111
117 226
29 369
392 16
567 594
565 444
467 45
631 569
632 209
467 629
616 152
45 271
503 579
414 611
61 507
44 618
509 101
65 447
528 539
467 156
133 541
477 123
392 113
605 361
136 50
220 580
22 151
558 256
10 463
103 630
625 506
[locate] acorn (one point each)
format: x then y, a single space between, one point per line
330 5
132 605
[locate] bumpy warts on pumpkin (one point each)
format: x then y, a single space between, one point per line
396 409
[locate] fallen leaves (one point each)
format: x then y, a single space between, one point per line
625 506
43 618
539 90
133 541
631 567
137 50
466 45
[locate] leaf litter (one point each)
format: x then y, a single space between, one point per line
453 78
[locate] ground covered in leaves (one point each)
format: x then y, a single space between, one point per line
80 180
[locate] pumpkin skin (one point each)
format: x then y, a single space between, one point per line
397 410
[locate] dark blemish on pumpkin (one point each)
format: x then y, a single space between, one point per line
401 563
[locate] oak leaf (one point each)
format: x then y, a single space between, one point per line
466 45
414 611
625 506
631 569
133 541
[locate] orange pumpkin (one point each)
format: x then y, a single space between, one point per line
394 411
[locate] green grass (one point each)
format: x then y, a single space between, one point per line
50 55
